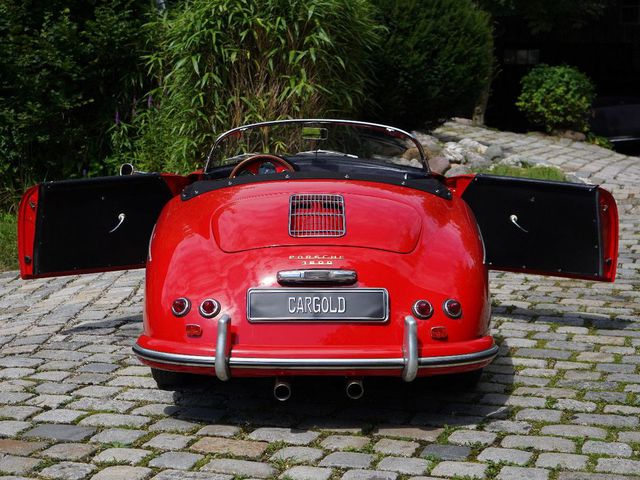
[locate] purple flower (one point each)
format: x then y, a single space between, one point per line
117 119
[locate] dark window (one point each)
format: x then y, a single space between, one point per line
630 12
521 56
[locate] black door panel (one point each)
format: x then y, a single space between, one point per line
538 226
96 224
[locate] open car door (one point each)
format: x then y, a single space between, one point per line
90 225
544 227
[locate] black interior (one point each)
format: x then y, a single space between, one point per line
561 219
74 219
326 166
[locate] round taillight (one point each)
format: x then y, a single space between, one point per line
422 309
452 308
180 307
209 308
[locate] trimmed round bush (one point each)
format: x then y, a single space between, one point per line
557 98
434 63
222 63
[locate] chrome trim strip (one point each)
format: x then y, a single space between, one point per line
316 363
410 349
221 364
303 277
174 358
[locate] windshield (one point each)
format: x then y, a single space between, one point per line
329 139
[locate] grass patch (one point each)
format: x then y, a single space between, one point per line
540 172
8 242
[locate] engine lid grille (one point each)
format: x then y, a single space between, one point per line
316 215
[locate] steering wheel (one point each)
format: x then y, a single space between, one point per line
252 164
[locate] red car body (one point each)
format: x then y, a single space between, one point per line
405 240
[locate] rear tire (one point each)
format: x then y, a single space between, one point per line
167 380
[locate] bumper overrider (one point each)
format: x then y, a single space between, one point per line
410 363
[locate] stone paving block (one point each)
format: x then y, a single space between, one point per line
507 426
368 475
130 456
574 431
173 425
11 428
469 437
429 434
61 432
445 452
459 469
567 461
507 455
19 447
182 475
617 465
287 435
16 464
618 421
179 460
69 451
58 415
169 441
298 454
613 449
118 435
347 460
539 415
219 430
121 472
520 473
115 420
240 467
308 473
241 448
535 442
68 471
396 447
407 466
18 412
344 442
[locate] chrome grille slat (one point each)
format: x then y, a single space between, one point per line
316 215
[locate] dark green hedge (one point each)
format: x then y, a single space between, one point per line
435 61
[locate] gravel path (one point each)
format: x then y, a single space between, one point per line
562 400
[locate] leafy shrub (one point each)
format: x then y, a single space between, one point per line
222 63
435 61
557 97
8 242
65 67
540 172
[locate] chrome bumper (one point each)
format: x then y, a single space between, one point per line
410 363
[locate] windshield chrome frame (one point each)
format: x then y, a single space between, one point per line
423 157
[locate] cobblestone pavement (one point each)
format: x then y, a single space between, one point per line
562 400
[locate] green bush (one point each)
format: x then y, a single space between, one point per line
8 242
435 61
66 67
556 98
221 63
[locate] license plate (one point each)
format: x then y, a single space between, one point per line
317 304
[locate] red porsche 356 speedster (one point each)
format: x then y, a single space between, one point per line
316 247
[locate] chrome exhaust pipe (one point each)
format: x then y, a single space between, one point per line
282 390
354 389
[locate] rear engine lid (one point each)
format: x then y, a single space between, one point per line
284 219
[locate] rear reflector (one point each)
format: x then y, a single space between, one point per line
439 333
193 330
